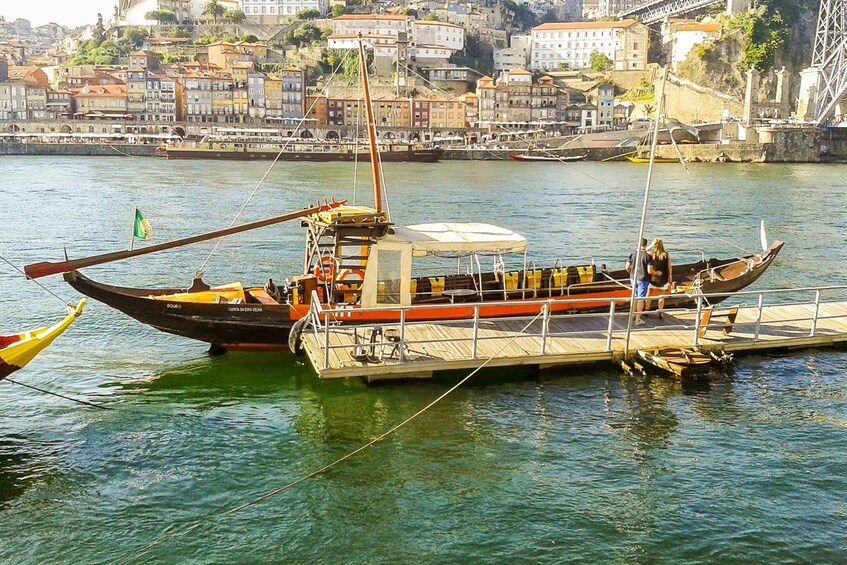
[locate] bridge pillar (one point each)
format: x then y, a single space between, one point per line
810 80
783 99
751 96
735 6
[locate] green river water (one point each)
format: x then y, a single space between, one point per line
583 466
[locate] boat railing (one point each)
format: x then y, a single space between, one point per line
390 342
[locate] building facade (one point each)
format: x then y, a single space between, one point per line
563 45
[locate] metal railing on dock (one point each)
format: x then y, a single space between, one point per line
753 320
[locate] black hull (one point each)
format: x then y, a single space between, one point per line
231 326
412 156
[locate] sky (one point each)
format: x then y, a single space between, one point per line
70 13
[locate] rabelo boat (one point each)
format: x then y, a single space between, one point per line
356 260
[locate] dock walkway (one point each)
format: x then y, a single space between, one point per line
417 350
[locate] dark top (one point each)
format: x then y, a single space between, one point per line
639 268
661 265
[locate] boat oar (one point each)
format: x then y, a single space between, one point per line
43 269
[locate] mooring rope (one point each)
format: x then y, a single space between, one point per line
47 290
169 532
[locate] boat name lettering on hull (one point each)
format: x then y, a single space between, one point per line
175 306
254 309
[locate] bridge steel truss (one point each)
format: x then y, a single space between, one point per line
830 57
658 10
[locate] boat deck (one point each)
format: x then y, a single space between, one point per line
374 352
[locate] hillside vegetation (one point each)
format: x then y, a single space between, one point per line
776 34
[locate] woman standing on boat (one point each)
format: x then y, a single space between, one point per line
661 274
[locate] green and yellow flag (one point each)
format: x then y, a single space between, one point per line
142 226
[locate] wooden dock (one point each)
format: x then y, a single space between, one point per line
376 352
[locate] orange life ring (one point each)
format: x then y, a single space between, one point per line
325 269
346 273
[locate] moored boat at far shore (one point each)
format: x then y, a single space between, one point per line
300 150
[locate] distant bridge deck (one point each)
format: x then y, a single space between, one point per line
419 349
657 10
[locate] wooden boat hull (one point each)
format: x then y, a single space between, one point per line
656 160
546 158
255 326
18 350
411 156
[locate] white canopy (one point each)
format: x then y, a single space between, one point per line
458 238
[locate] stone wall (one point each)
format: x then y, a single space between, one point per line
689 102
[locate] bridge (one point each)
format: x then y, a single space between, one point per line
823 86
657 10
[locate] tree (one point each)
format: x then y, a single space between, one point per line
234 16
99 31
161 16
134 36
214 10
599 62
431 17
305 34
337 10
308 14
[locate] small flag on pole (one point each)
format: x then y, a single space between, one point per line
142 226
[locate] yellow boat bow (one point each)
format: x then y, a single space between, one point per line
18 350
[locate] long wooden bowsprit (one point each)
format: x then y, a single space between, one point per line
46 268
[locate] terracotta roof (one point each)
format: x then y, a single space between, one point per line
434 22
583 25
354 17
104 90
696 26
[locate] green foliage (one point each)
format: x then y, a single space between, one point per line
409 12
135 36
226 37
234 16
172 57
641 92
308 14
431 17
214 10
763 32
337 10
161 16
303 35
347 59
599 62
106 53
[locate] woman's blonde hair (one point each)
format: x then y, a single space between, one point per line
659 248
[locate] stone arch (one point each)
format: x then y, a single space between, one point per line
13 128
306 134
66 129
104 130
178 130
332 134
415 137
388 135
90 129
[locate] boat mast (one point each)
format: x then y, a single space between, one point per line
369 116
646 202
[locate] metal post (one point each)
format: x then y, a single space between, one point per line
475 331
815 315
326 340
759 316
402 333
544 319
697 321
611 326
